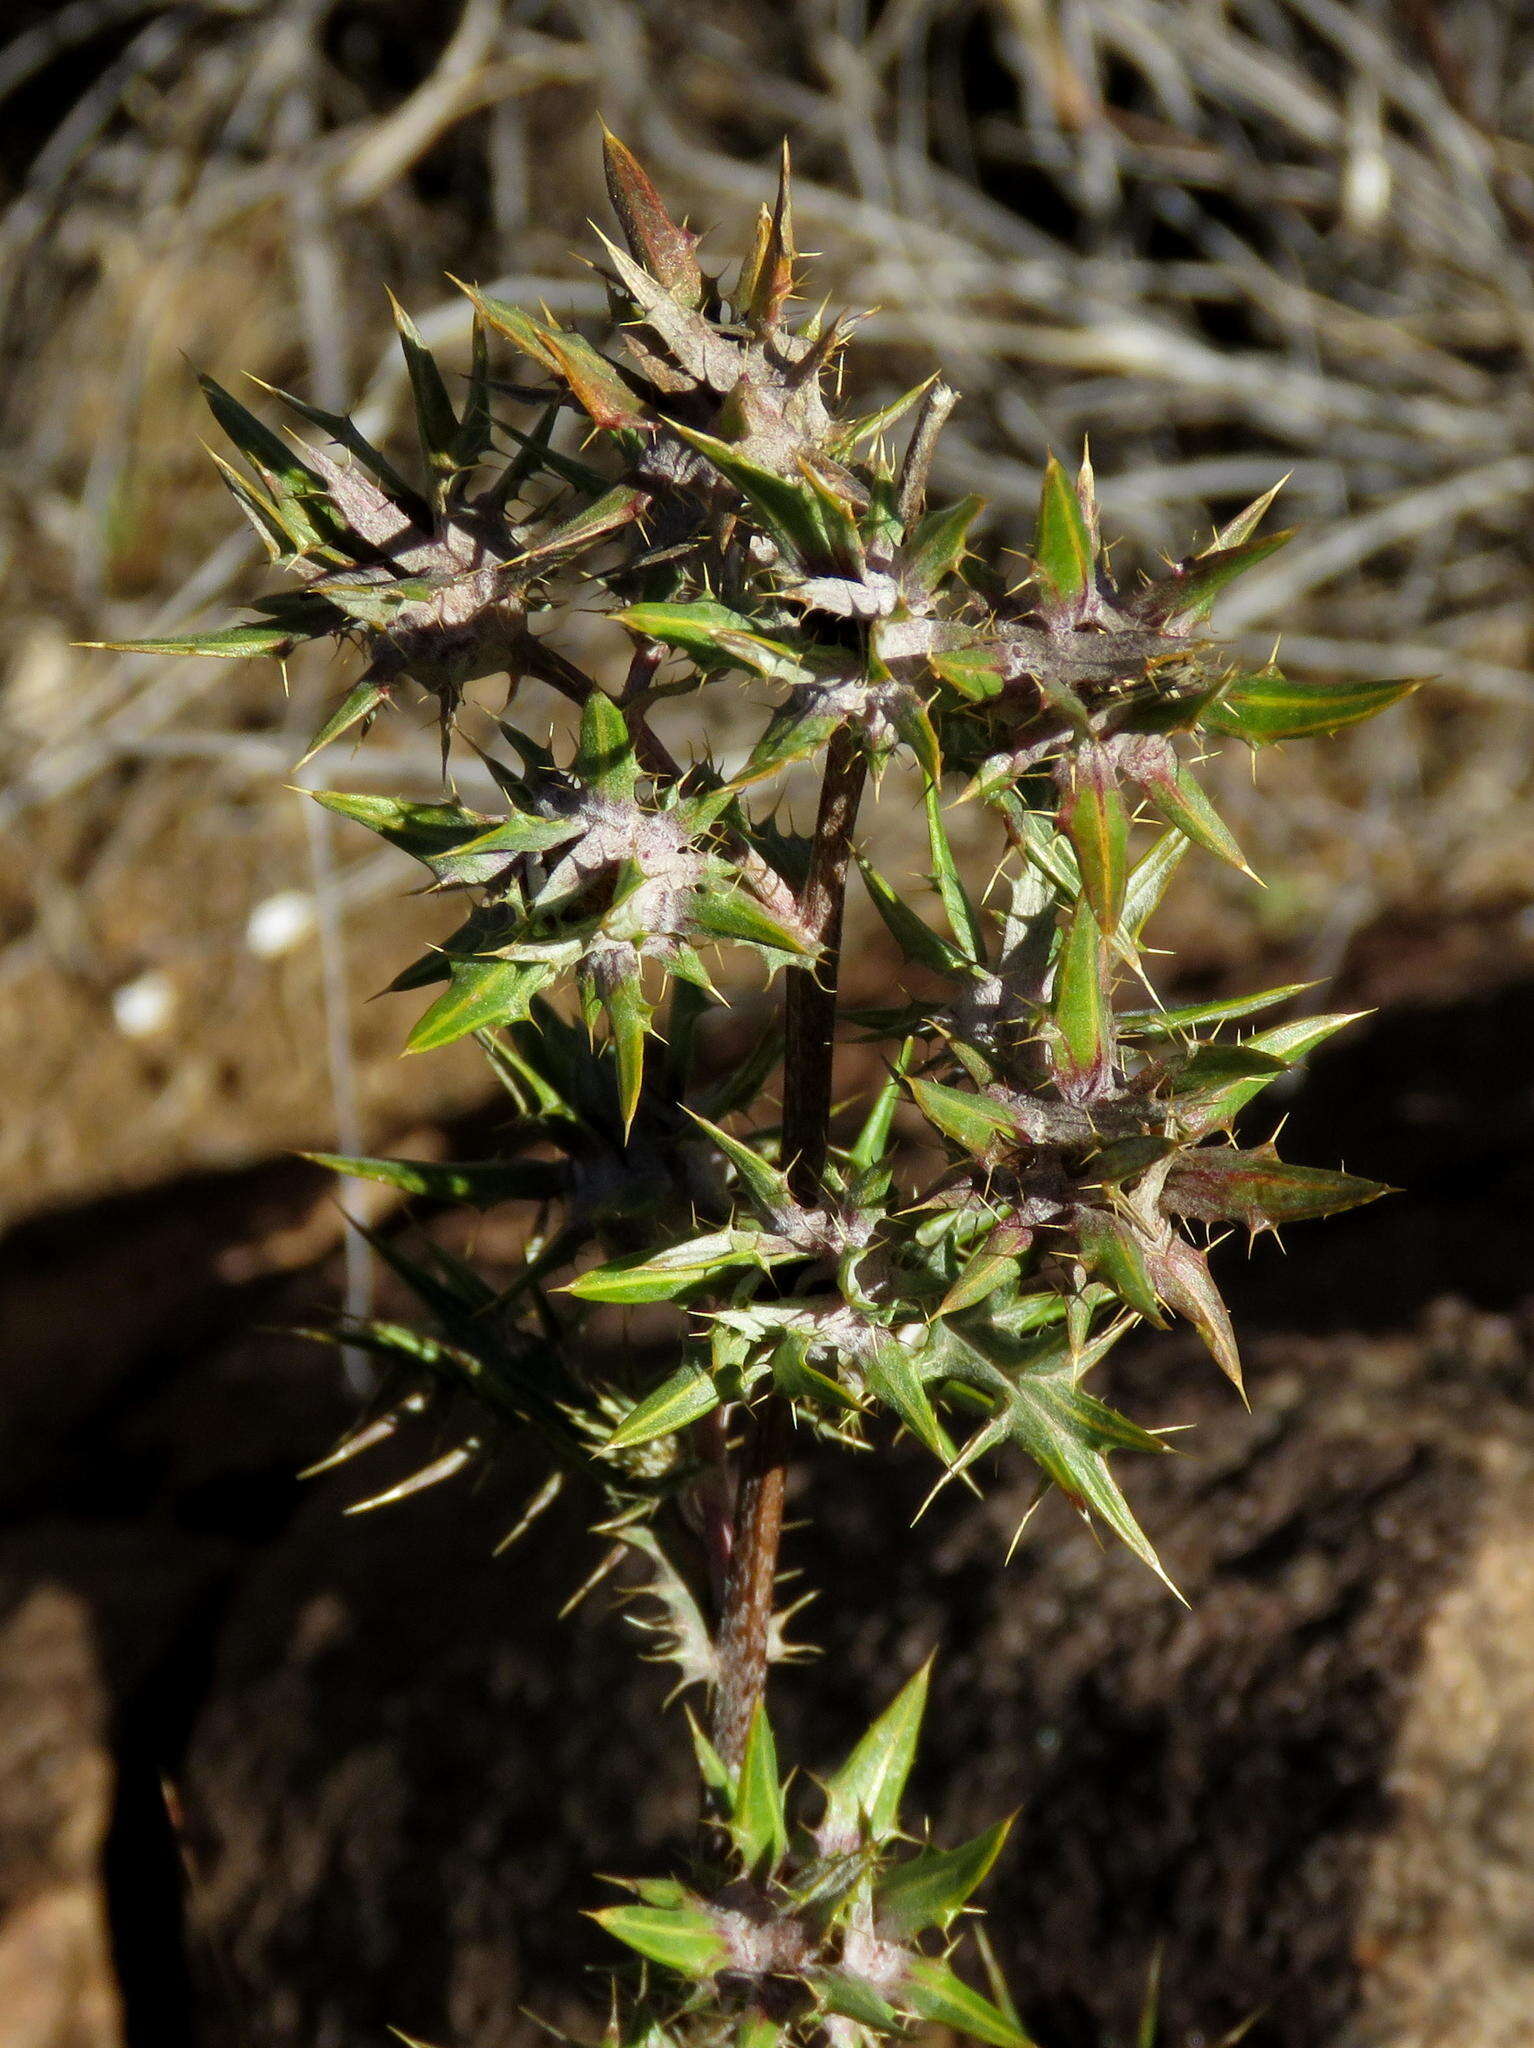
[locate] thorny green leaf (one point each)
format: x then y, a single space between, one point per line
1062 545
865 1794
1268 706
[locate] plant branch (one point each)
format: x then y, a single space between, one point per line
746 1623
655 756
810 1011
811 1027
911 490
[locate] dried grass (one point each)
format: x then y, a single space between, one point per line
1230 240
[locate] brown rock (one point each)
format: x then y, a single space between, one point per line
1448 1904
57 1988
1309 1785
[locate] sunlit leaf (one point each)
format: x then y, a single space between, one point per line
358 705
681 1938
767 1184
792 511
604 760
758 1824
428 832
894 1378
853 1998
1269 706
1222 1184
1223 1010
1111 1250
963 918
932 1888
628 1021
735 915
1188 595
933 1991
980 1126
654 238
915 938
228 643
1080 1008
676 1270
482 995
1094 819
1170 789
1183 1280
939 544
436 421
698 629
975 672
687 1396
1062 545
614 510
866 1792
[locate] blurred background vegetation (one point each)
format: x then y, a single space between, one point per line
1228 239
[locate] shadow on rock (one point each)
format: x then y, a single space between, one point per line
396 1770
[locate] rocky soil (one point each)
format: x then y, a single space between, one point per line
271 1777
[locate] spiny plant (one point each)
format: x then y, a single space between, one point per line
1036 1173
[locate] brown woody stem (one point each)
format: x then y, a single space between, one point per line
810 1033
747 1618
810 1015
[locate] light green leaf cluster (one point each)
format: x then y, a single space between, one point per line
839 1927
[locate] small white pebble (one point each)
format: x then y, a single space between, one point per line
277 924
1365 190
145 1005
1366 179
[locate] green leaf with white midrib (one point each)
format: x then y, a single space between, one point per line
865 1794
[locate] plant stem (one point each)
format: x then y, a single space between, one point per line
747 1618
810 1020
810 1009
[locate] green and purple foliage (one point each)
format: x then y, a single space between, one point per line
844 1279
